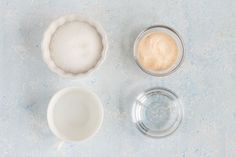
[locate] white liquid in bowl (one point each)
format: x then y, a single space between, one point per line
75 114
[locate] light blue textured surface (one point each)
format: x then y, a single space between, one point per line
206 82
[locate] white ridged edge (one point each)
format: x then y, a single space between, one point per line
52 29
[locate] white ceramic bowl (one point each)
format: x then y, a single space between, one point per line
75 114
45 45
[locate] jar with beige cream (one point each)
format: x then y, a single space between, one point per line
158 50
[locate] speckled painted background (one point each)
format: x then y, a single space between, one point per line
206 82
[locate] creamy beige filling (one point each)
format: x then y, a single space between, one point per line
157 52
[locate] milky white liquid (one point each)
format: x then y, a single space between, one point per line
76 47
76 115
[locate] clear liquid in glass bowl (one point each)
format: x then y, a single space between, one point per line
157 112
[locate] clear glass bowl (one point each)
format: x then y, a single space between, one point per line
157 112
171 32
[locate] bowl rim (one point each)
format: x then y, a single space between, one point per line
52 28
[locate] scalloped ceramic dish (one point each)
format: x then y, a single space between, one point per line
49 36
